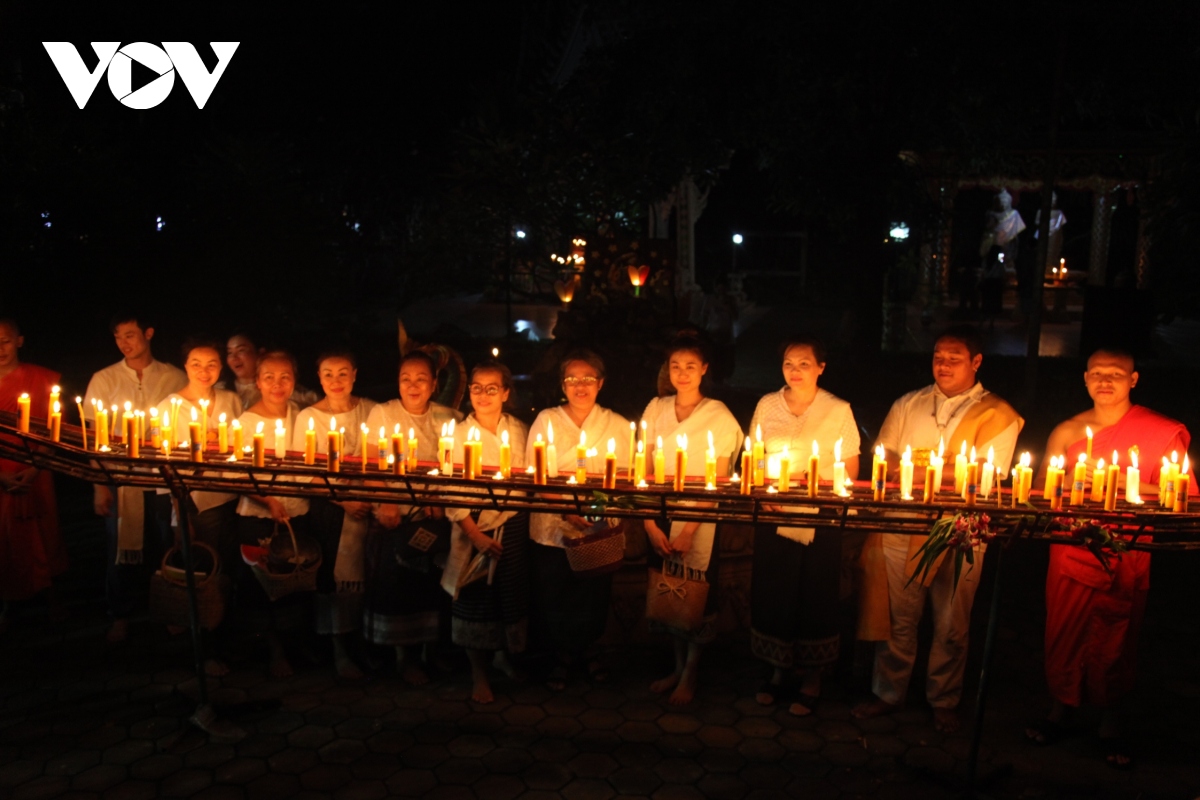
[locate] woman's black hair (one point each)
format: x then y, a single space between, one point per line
817 346
336 352
586 356
424 358
201 343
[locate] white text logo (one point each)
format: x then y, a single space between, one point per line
163 61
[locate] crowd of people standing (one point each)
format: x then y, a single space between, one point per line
367 592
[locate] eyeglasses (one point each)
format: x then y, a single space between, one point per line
491 390
589 381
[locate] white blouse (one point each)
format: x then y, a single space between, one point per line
295 506
224 402
351 420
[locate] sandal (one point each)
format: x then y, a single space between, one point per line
1045 732
1115 748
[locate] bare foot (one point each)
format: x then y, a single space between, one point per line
685 692
871 709
799 710
414 675
946 720
215 668
119 631
481 692
666 684
346 668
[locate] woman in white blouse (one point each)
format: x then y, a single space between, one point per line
340 527
688 548
211 513
260 515
404 601
570 611
797 571
489 614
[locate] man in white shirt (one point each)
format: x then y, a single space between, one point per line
138 379
954 410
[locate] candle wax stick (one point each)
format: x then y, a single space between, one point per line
222 435
814 472
56 422
539 461
54 395
972 482
238 444
1079 482
784 483
660 463
760 458
1110 487
23 413
82 421
680 469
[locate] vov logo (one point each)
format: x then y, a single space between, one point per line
164 61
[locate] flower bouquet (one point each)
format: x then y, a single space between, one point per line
959 535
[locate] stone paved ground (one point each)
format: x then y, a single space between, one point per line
79 718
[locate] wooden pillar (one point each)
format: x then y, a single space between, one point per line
1101 233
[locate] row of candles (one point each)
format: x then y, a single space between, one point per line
973 481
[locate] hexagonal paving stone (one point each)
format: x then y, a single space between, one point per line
311 736
592 765
446 711
434 732
545 775
559 727
601 719
637 731
481 722
342 751
679 770
765 776
523 715
470 746
358 727
389 742
99 778
424 756
643 710
411 782
588 789
132 790
186 782
240 770
676 744
460 771
39 788
553 750
361 790
498 787
806 765
920 735
635 780
719 736
327 716
722 787
598 741
128 751
565 705
604 698
930 758
373 707
678 723
800 741
846 754
326 777
272 787
678 792
507 760
261 746
155 767
293 760
375 766
72 763
884 745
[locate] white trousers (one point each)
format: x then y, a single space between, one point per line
951 627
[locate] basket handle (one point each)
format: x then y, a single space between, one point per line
212 573
295 546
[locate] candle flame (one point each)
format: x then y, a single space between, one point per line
964 447
57 407
237 423
365 430
1174 456
154 413
735 478
78 399
499 476
333 423
194 417
837 450
549 432
747 444
612 447
278 424
785 454
221 417
816 448
880 453
583 438
758 433
1026 459
310 423
259 429
450 430
412 432
907 457
1133 455
1185 465
503 437
660 446
1089 432
539 437
973 456
383 431
1115 460
682 442
1082 458
991 455
633 427
1100 464
641 446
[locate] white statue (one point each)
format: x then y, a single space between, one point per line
1057 220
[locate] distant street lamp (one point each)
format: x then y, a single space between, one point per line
737 239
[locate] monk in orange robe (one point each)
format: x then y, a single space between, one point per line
1094 615
31 547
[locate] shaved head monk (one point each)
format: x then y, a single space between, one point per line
1093 616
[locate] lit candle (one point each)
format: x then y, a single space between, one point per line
1182 486
238 444
681 445
999 489
412 450
660 463
82 420
310 444
972 460
1089 444
204 423
839 470
364 433
785 471
446 465
469 455
814 470
1133 479
397 460
879 473
222 435
166 433
1026 476
710 463
933 472
539 461
54 393
989 473
760 458
113 424
128 426
477 452
1172 477
101 416
259 447
56 420
639 464
551 452
1079 480
134 444
960 471
972 482
1054 481
632 448
333 447
141 425
1110 484
581 459
747 482
906 474
1164 477
280 440
195 443
155 430
505 456
1098 482
176 403
610 463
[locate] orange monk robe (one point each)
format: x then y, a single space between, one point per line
31 546
1093 617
